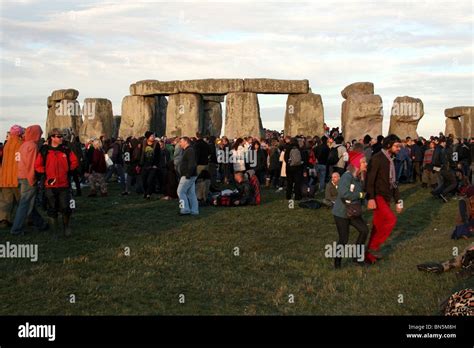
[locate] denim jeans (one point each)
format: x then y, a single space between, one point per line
188 202
26 207
321 172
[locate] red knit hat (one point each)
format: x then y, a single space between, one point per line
354 158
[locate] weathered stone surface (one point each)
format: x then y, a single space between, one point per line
304 115
242 115
211 86
464 127
64 114
458 111
453 126
116 128
358 88
212 118
362 114
141 114
159 121
154 87
274 86
98 119
184 115
60 94
49 102
214 98
405 115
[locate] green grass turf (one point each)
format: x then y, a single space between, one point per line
281 254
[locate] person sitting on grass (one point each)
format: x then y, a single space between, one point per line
330 194
246 194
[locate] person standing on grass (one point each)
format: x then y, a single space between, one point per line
27 180
149 162
56 161
381 189
9 192
294 170
97 169
188 202
350 190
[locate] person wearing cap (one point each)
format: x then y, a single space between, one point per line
54 162
9 191
350 190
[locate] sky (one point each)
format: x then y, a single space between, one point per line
422 49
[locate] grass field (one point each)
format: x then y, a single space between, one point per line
281 254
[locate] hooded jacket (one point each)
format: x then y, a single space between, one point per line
28 152
9 173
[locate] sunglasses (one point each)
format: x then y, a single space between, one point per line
57 136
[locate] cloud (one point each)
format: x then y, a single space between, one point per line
422 49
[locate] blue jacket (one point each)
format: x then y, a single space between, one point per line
344 192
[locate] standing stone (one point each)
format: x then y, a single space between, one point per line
453 126
138 114
64 113
361 114
464 127
358 88
98 119
243 116
184 115
304 115
212 118
405 115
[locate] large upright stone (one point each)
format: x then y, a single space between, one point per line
141 114
98 119
453 127
64 113
362 114
304 115
153 87
212 118
273 86
211 86
243 115
464 115
184 115
405 115
358 88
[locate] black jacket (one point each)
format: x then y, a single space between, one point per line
203 151
156 154
188 163
378 178
322 152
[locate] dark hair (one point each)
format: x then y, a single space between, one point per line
367 139
380 138
339 139
237 143
389 140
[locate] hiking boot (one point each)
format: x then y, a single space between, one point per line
67 227
124 193
53 223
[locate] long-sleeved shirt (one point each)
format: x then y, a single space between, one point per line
188 163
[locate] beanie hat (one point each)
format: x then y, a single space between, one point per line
354 158
148 134
17 130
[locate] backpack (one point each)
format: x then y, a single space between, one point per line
333 156
295 157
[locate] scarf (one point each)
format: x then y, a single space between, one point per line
392 176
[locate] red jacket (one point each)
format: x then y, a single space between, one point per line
56 167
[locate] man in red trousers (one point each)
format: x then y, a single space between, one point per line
381 189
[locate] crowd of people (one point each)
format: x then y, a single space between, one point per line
206 170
